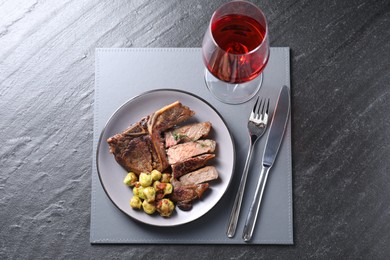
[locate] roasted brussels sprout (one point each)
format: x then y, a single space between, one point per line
139 192
135 202
149 193
130 179
149 208
165 207
158 186
156 175
145 179
168 188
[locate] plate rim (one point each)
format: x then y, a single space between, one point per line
139 96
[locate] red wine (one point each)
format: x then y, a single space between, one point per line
241 56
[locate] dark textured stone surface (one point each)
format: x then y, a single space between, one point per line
341 122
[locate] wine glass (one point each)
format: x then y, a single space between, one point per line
235 50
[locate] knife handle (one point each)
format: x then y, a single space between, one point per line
255 206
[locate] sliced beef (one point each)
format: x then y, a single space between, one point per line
169 116
190 164
181 152
187 133
201 175
185 195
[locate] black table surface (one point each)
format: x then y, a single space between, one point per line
340 61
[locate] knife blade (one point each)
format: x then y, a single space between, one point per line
275 136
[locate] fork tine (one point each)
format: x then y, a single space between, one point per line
254 107
261 104
261 110
253 115
265 113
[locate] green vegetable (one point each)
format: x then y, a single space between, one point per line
135 202
139 192
149 208
165 207
156 175
157 185
145 179
130 179
149 193
168 189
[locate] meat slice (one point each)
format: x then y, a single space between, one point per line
181 152
169 116
185 195
202 175
187 133
190 164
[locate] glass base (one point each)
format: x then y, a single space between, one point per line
232 93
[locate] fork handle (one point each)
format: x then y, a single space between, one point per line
255 206
233 220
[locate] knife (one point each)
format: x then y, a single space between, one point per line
274 139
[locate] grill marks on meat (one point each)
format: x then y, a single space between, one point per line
181 152
187 133
190 164
140 147
185 195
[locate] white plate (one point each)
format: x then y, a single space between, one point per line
111 174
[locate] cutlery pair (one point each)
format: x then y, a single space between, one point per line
257 126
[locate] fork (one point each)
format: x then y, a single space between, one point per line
257 125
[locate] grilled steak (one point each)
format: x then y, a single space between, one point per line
202 175
190 164
187 133
140 147
181 152
185 195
